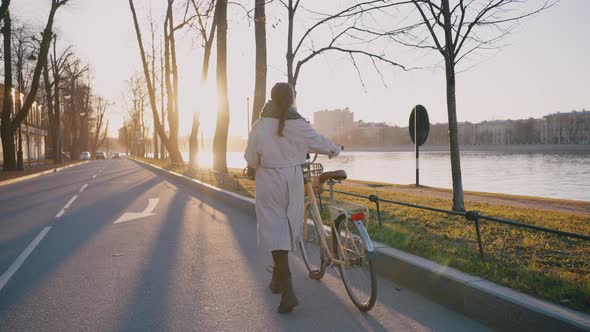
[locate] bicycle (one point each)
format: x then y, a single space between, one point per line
351 248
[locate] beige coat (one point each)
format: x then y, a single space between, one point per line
279 178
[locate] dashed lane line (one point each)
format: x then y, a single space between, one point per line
5 277
70 202
67 206
83 187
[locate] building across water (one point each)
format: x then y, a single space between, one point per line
559 128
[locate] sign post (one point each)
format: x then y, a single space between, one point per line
419 128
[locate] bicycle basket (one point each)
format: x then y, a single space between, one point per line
314 170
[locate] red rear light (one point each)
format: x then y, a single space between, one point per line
357 216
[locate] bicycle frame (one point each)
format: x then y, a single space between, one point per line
327 255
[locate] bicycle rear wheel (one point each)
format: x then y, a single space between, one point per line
310 246
357 272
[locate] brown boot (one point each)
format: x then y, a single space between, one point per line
275 285
288 298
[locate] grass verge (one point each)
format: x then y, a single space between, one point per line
547 266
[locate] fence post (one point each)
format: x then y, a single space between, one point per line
375 199
237 183
474 216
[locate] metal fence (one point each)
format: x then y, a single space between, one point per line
472 216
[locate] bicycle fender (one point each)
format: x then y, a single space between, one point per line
365 235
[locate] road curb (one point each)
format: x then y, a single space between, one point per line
499 307
34 175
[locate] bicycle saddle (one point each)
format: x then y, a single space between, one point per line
333 175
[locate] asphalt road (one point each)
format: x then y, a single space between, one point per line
187 263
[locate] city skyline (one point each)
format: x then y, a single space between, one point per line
505 84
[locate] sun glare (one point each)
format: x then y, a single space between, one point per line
202 100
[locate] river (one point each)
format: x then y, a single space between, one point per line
551 174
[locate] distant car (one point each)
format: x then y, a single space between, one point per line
100 155
85 155
116 155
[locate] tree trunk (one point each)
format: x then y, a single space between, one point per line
4 8
8 143
173 150
174 111
194 143
458 204
51 137
56 104
162 146
290 55
261 68
58 135
221 129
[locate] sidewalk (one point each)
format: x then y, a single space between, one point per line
37 168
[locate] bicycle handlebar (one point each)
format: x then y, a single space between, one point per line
315 157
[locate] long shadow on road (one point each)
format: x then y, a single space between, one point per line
147 308
66 238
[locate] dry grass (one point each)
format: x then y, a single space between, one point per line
547 266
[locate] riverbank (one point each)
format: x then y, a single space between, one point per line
516 148
547 266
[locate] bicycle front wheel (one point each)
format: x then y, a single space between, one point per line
310 246
357 272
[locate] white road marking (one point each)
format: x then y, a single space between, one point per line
83 187
94 176
21 258
60 213
68 204
127 216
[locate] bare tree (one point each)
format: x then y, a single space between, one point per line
57 68
76 93
221 129
203 14
10 125
101 110
54 66
136 99
456 31
344 26
207 32
261 67
170 142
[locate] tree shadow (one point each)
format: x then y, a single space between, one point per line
68 235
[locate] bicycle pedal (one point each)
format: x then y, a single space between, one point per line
315 275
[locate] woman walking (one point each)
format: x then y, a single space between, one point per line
277 147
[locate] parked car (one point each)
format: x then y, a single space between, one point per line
100 155
85 155
116 155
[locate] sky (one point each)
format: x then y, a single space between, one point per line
542 69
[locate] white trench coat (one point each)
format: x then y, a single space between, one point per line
279 178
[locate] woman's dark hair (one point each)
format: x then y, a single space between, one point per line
282 96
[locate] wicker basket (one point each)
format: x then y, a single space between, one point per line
315 170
